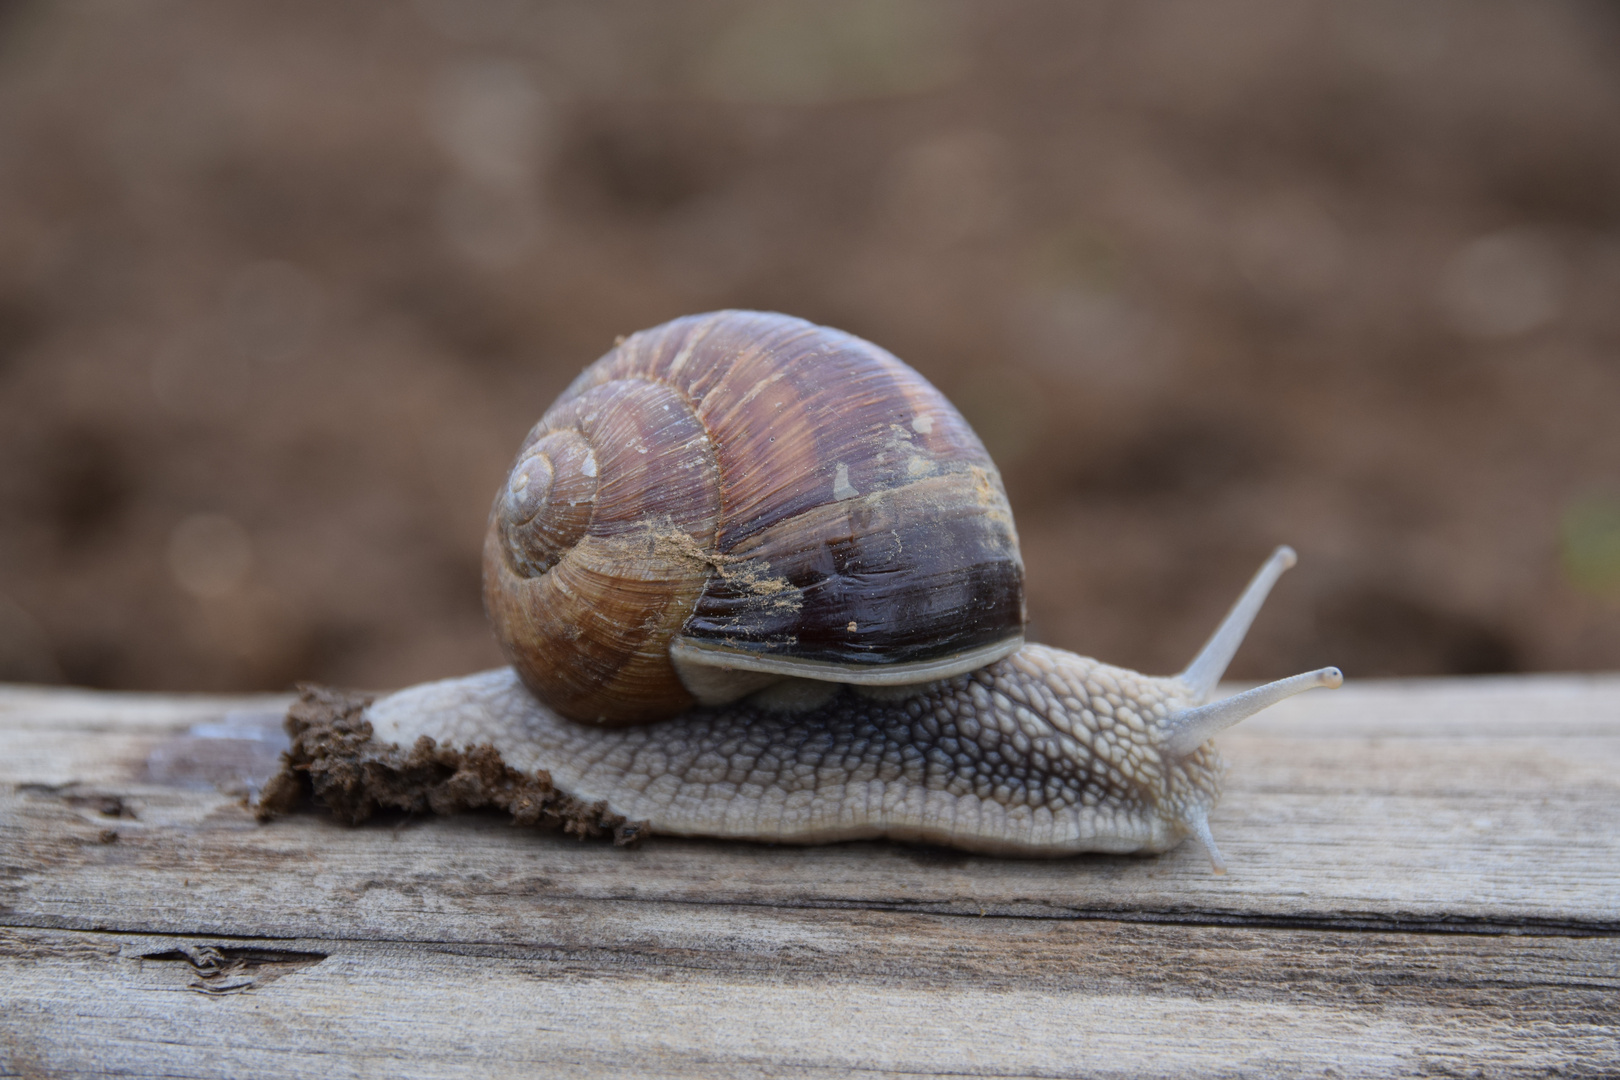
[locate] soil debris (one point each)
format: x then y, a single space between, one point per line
335 760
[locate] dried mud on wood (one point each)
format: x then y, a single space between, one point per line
334 759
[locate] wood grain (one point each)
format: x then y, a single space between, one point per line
1425 879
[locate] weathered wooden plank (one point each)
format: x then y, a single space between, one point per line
467 947
818 993
1343 816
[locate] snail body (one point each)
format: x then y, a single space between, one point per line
759 580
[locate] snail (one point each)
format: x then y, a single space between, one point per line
758 579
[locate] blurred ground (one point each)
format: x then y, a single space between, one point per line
283 284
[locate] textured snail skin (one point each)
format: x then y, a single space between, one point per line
1042 753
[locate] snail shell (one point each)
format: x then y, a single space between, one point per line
736 498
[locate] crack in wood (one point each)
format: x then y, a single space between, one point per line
229 969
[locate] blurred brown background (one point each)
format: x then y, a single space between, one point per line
283 284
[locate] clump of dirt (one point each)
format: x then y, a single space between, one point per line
335 760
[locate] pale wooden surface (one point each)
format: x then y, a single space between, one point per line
1425 880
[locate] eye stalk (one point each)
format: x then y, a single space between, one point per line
1190 728
1209 665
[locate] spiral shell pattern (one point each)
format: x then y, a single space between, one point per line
746 489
